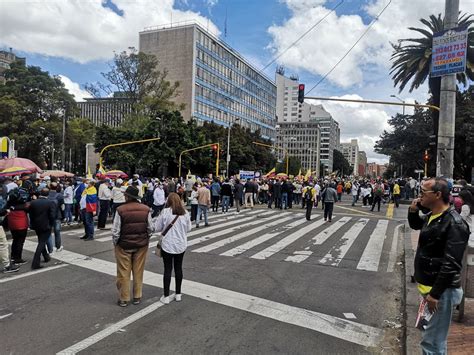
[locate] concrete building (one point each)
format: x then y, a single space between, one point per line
7 58
351 153
306 115
216 83
105 111
362 169
375 170
301 139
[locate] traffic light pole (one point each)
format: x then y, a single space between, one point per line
275 147
200 147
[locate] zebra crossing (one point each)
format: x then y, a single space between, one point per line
360 243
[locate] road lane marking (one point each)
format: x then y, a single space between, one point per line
234 229
6 315
394 249
283 243
350 315
33 272
389 213
88 342
354 210
244 234
263 238
337 252
337 327
320 238
370 258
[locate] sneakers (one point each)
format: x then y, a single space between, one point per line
122 303
11 268
59 249
20 262
178 297
136 300
197 225
165 300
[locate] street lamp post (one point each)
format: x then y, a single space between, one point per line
402 101
228 145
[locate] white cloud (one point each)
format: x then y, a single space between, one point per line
83 30
330 40
74 88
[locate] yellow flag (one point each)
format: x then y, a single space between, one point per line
299 172
270 172
308 174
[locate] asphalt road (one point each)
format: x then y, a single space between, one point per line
262 281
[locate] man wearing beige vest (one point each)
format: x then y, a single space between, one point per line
131 232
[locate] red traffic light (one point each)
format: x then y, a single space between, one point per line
214 147
426 156
301 93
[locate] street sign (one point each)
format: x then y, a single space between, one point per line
449 50
419 170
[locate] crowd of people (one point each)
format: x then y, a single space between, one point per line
139 207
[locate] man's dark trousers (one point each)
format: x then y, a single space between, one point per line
104 211
43 237
309 207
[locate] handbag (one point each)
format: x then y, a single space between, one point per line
158 245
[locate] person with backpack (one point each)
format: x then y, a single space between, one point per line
378 194
17 223
57 197
309 194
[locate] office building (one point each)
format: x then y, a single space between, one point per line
351 153
375 170
362 169
7 58
301 140
105 111
216 83
289 110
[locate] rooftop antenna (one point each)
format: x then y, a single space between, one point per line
225 23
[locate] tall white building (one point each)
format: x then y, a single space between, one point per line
304 129
351 153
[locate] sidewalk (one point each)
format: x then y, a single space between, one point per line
461 335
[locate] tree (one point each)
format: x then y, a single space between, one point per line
340 164
80 131
135 76
33 105
411 62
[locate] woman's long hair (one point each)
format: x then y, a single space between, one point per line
467 199
176 205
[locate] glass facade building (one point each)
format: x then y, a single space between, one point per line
217 83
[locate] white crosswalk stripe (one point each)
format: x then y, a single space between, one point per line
227 231
320 238
244 234
259 240
371 256
337 252
283 243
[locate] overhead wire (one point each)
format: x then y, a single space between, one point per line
302 36
350 49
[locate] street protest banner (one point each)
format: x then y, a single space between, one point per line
246 174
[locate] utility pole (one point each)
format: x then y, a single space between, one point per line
63 145
445 151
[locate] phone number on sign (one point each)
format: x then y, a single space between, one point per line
454 47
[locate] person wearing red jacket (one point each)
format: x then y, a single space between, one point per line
18 224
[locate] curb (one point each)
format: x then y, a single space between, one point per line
412 335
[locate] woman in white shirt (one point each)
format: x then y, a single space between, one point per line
118 198
174 243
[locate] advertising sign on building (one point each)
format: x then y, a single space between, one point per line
245 174
449 52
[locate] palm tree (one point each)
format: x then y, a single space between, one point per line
412 62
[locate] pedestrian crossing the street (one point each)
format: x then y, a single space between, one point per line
356 242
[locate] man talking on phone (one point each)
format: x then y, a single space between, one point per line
438 261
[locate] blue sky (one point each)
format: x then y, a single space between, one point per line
76 39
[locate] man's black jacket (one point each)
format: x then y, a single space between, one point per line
441 245
42 214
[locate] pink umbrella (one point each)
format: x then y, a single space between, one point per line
20 162
56 173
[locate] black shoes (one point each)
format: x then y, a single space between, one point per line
137 300
47 260
11 268
20 262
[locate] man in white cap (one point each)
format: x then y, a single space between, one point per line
135 179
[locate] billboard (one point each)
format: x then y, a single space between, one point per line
449 50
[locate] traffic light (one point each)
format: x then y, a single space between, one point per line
426 156
301 93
